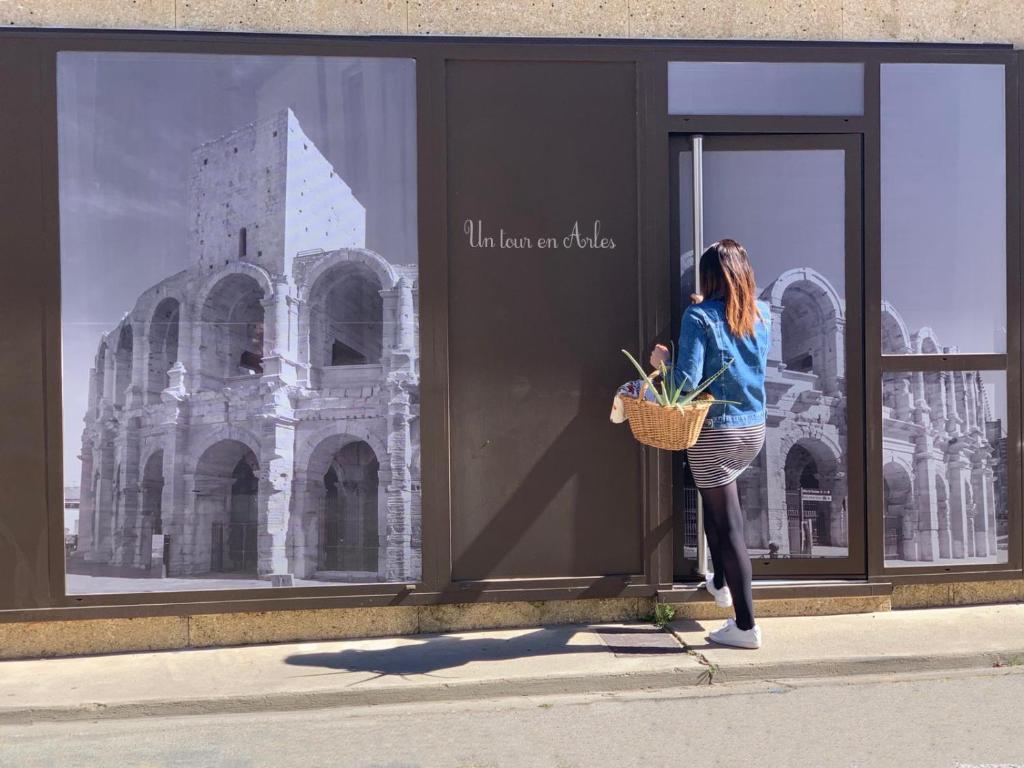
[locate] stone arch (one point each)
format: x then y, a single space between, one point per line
123 362
257 273
898 506
895 336
151 503
226 519
231 319
163 336
818 285
808 327
368 431
222 433
344 477
812 469
345 316
925 342
373 262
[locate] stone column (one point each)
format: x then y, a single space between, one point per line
835 362
903 404
840 532
279 353
103 549
970 401
181 527
405 318
990 506
277 464
777 523
177 497
397 482
957 469
138 385
303 341
307 502
109 366
945 534
927 511
87 501
189 340
127 535
984 515
952 411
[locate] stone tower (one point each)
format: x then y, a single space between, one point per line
265 193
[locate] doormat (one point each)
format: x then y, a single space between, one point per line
638 640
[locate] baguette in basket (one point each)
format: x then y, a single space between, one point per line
671 418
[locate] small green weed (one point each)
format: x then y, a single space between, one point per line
663 614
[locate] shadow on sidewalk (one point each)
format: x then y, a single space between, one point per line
438 652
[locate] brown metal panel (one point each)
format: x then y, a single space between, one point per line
433 256
542 483
655 297
24 560
872 323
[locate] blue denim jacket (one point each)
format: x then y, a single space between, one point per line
705 343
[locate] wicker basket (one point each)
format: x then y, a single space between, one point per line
667 427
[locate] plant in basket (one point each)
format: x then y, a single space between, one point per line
673 419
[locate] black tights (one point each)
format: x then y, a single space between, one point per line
723 524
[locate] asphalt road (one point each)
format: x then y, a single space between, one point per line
949 720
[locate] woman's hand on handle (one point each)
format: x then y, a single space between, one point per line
659 355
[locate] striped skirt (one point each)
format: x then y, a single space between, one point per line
720 455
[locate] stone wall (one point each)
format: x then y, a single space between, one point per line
991 21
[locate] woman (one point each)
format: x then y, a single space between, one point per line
728 322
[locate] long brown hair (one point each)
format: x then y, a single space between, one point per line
725 273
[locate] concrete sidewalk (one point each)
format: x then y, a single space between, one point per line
484 664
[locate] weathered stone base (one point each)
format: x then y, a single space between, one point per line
29 639
957 593
799 606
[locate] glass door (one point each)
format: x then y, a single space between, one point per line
794 202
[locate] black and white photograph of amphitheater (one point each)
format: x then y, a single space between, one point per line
239 321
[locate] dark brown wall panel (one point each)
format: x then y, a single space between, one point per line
542 483
24 268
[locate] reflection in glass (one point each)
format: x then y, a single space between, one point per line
944 467
787 207
944 206
765 88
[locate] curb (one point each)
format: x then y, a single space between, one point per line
862 665
345 697
676 677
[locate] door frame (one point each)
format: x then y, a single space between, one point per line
855 564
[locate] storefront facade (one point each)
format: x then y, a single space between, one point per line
333 324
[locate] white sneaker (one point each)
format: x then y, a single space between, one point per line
723 597
730 634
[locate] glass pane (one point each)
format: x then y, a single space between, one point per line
787 207
763 88
240 362
944 468
943 208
